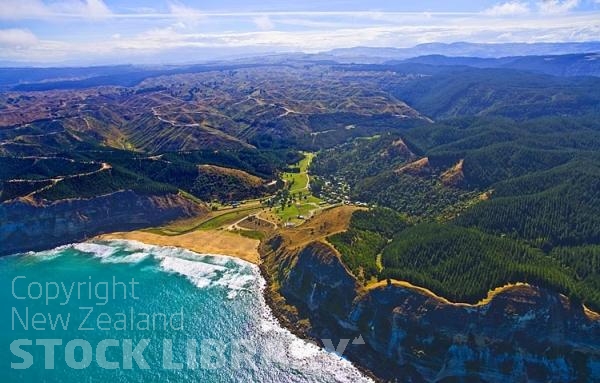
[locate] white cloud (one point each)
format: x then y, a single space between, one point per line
183 12
15 38
557 6
36 9
18 9
263 23
96 8
315 23
166 39
477 30
87 8
507 9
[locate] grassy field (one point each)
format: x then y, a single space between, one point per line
227 218
213 220
290 214
299 184
224 216
299 181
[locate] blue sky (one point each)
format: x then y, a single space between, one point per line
111 31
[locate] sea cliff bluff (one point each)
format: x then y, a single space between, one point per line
520 333
38 225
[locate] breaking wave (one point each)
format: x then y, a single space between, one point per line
207 271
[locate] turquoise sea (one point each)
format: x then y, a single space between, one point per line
122 311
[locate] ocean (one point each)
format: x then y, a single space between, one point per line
123 311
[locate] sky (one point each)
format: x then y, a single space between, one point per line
170 31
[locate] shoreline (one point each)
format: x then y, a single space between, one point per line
210 242
268 312
275 309
285 315
284 319
230 244
202 242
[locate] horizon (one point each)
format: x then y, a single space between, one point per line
107 32
553 49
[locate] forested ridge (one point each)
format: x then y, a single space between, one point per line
461 264
369 233
81 174
488 197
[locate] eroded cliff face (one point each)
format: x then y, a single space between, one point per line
521 334
316 277
27 226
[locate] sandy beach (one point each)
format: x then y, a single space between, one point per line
205 242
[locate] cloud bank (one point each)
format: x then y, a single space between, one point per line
30 30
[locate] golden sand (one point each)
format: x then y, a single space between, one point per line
204 242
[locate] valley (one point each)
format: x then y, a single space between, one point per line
447 213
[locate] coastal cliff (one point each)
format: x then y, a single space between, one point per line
520 333
29 226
